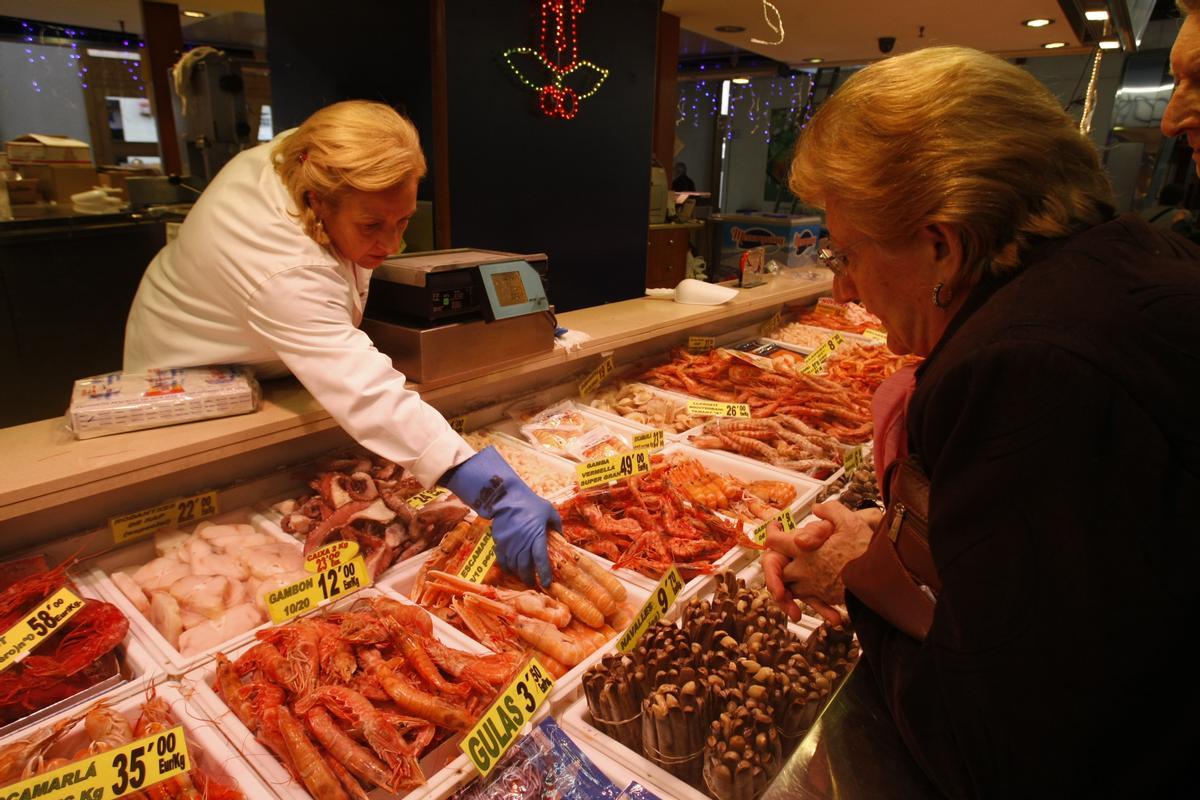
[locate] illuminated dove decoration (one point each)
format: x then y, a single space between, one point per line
553 69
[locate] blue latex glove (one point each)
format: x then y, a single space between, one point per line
519 517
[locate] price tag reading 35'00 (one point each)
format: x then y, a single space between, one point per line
714 408
652 610
19 640
612 468
317 590
785 522
501 724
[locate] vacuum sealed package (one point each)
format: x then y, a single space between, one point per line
562 430
544 764
635 791
117 402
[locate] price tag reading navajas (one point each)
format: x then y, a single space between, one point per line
612 468
19 640
170 514
651 612
331 555
701 344
481 559
853 460
316 590
714 408
814 362
114 773
592 382
650 440
785 522
422 499
501 724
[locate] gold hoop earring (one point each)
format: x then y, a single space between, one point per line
940 301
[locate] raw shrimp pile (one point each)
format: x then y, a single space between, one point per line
351 700
637 402
864 367
543 479
781 441
801 335
647 523
207 587
583 607
68 661
850 317
103 728
723 375
365 500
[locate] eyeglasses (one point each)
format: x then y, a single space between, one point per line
833 259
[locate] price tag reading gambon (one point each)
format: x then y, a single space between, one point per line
714 408
111 774
19 640
476 567
652 610
785 521
317 590
612 468
500 725
172 513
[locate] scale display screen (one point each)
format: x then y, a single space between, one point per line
513 288
509 288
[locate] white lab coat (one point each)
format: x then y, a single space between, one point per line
243 284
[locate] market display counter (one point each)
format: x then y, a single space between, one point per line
52 485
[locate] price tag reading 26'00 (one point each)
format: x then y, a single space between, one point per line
652 610
612 468
114 773
316 590
500 725
172 513
714 408
34 627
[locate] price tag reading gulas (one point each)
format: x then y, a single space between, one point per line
172 513
111 774
652 610
592 382
422 499
701 344
714 408
331 555
500 725
481 559
650 440
814 362
317 590
785 522
19 640
612 468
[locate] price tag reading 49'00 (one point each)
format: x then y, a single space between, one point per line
316 590
652 610
612 468
114 773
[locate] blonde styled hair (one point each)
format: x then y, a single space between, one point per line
952 135
1188 6
352 145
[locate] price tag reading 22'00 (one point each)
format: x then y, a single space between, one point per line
172 513
500 725
316 590
19 640
714 408
652 610
114 773
612 468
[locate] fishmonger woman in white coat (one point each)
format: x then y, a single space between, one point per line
271 270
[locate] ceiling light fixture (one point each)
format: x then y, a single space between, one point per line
739 81
1054 45
1109 44
1099 15
1039 22
194 14
813 60
730 28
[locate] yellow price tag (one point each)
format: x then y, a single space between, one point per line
853 460
814 362
170 514
701 344
476 567
317 590
422 499
612 468
876 335
114 773
772 324
19 640
714 408
331 555
650 440
593 381
652 610
458 424
785 521
827 305
500 725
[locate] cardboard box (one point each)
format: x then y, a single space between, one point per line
58 182
118 177
41 148
24 192
783 236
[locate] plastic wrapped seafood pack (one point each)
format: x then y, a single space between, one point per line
564 430
546 477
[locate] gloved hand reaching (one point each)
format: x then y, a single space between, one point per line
519 517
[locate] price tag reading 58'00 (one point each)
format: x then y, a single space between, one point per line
652 610
19 640
317 590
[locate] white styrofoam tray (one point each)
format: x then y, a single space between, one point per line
197 684
666 393
138 553
207 747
